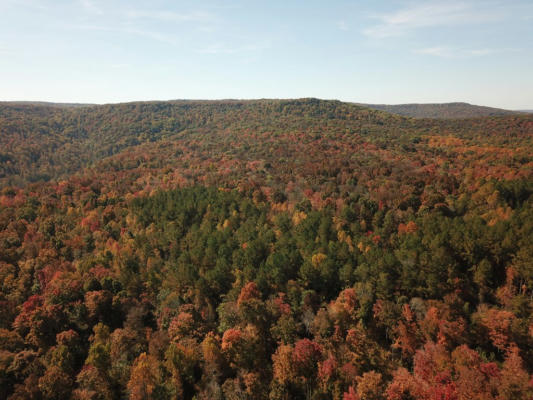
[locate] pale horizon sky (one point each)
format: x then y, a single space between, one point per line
391 52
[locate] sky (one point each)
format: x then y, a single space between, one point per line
369 51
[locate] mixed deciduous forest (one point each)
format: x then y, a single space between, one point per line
270 249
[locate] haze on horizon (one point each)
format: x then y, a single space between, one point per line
95 51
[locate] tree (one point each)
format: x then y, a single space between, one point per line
55 384
370 386
515 382
92 385
145 379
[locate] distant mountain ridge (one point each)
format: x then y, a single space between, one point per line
40 142
45 104
455 110
441 110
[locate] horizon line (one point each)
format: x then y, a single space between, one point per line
82 104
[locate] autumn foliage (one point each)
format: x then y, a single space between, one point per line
298 249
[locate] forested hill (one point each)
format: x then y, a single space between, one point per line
39 142
441 110
270 249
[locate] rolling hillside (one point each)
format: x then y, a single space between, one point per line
42 142
265 249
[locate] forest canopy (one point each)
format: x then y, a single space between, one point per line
269 249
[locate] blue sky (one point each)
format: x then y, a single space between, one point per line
365 51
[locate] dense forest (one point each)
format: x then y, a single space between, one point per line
269 249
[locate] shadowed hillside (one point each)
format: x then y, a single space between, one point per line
445 110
